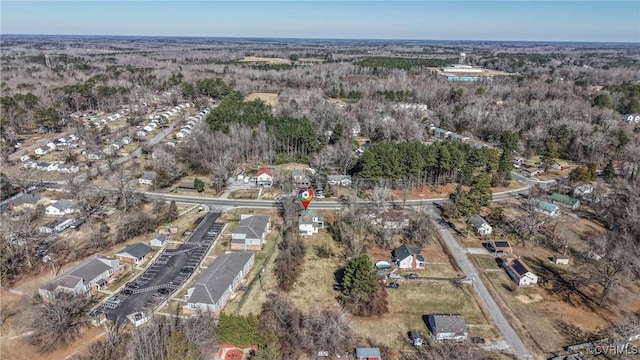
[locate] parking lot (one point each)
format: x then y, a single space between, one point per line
165 275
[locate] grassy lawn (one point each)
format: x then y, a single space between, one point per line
412 300
244 194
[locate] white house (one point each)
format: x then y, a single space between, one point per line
62 207
42 150
339 180
519 272
264 178
68 168
46 166
141 133
180 134
159 240
310 222
147 178
480 225
406 257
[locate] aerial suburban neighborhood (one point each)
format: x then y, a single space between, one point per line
282 197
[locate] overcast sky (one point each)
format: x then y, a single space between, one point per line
598 21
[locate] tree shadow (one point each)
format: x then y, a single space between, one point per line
569 287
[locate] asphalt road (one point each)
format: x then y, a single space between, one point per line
316 204
510 336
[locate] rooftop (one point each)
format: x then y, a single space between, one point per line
216 279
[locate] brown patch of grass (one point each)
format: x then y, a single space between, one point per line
268 98
265 60
244 194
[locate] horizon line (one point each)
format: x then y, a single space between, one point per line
322 38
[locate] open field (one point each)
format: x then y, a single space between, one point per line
268 98
412 300
267 60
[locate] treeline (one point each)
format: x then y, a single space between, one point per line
436 164
402 63
297 138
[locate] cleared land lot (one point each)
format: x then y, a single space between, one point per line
268 98
256 59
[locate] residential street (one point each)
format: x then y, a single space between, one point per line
510 336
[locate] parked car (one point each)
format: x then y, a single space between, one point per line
411 276
394 276
393 285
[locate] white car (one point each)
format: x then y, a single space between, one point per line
394 276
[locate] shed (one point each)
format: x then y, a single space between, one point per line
560 259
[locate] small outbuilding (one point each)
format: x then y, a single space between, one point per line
560 259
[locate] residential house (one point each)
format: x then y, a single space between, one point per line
560 166
214 287
47 166
310 222
264 177
62 207
126 140
569 201
250 233
545 207
42 150
109 150
394 220
29 164
480 225
500 247
440 133
134 253
159 240
447 327
141 133
68 168
519 272
58 225
181 134
27 201
368 354
406 257
299 178
458 137
583 191
76 224
339 180
560 259
91 274
94 156
148 178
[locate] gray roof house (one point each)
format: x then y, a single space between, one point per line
299 178
339 180
447 327
213 288
480 225
368 354
82 278
26 200
134 253
159 240
57 225
406 257
148 178
62 207
250 233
